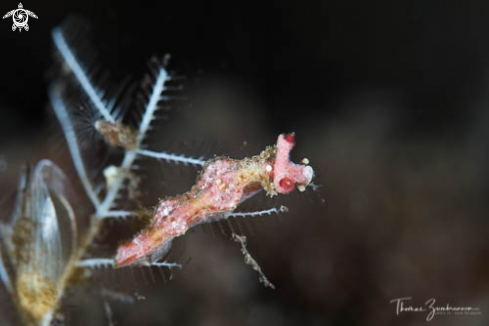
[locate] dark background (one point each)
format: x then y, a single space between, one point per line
389 101
296 56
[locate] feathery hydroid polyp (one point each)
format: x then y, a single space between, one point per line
221 187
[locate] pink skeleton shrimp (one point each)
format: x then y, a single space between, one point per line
222 185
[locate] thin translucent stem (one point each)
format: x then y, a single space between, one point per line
171 157
65 122
258 213
119 214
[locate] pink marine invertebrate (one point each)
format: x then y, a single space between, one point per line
223 184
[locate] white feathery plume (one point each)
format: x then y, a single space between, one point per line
269 211
81 75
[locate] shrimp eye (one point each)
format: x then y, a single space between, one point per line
287 184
